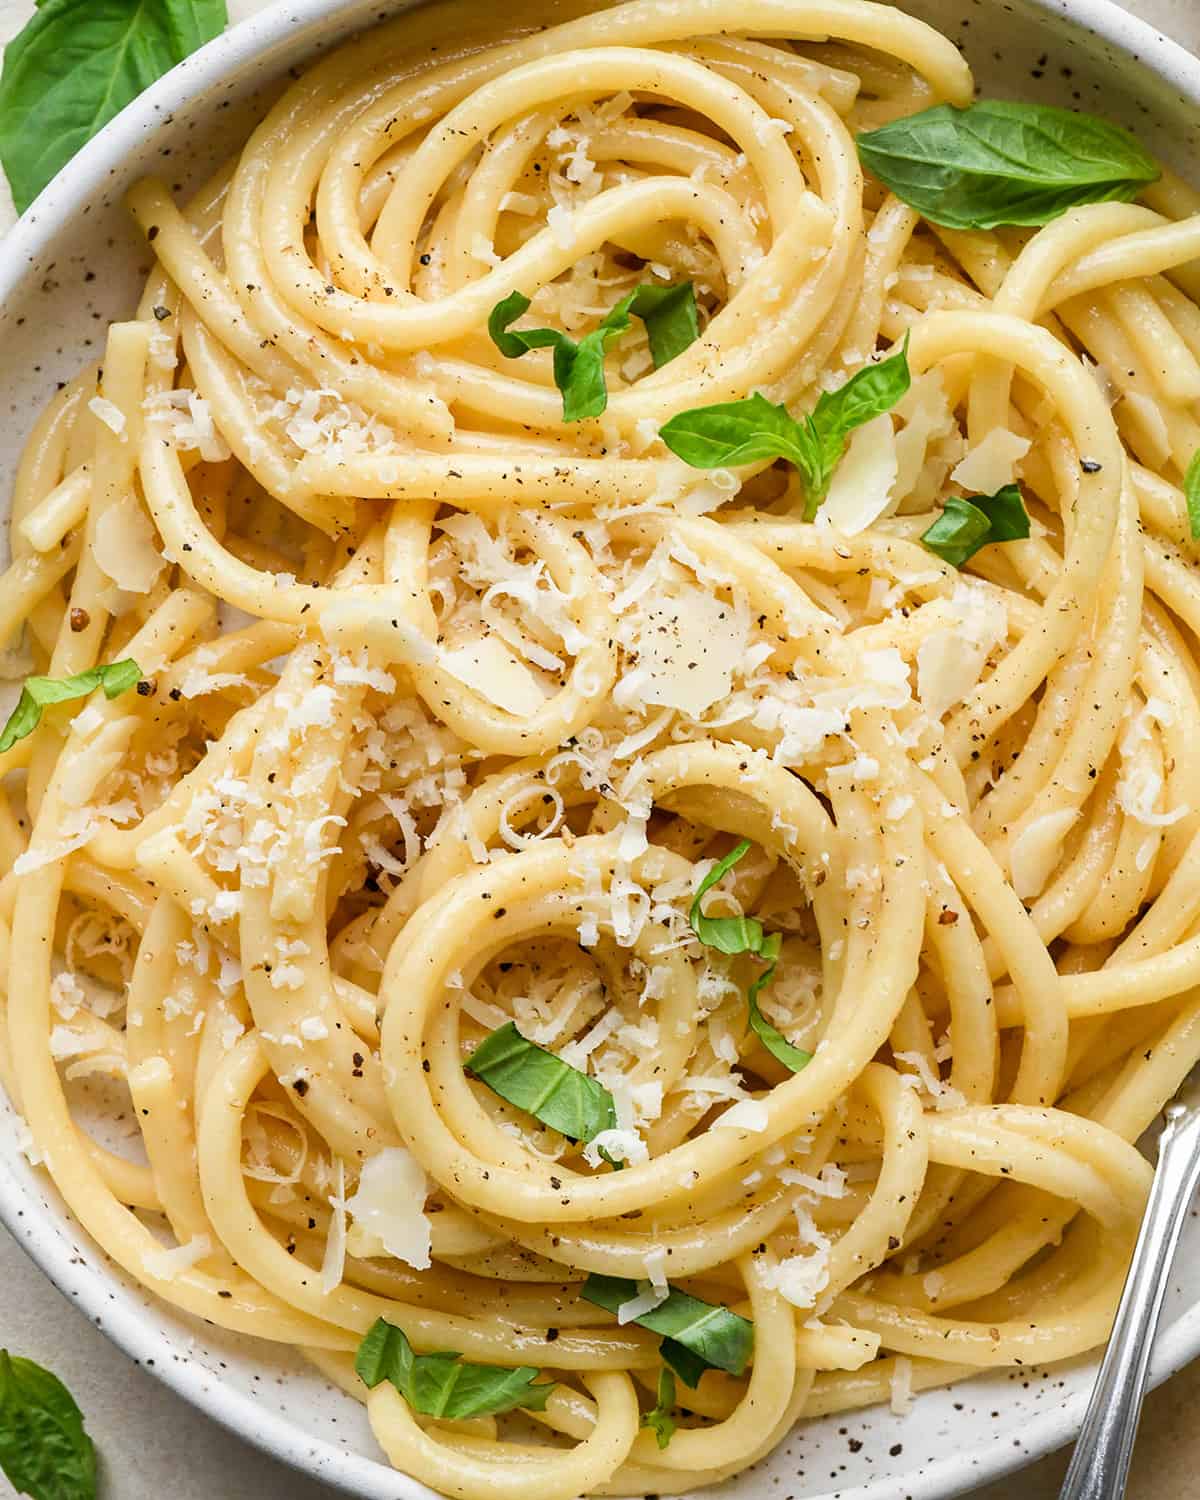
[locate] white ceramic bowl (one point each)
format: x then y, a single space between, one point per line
70 266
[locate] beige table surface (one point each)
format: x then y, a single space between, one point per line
153 1445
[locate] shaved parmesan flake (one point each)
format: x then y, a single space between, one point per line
333 1263
648 1298
900 1386
950 660
488 666
864 481
748 1114
1034 852
991 463
688 647
126 546
105 411
388 1209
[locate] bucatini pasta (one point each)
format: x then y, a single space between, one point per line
630 810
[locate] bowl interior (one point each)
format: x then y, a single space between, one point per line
74 264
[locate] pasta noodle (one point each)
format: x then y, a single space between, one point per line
447 705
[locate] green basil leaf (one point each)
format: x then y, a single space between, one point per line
1003 162
445 1385
549 1089
743 432
793 1058
688 1366
736 432
44 1451
869 393
965 526
1191 492
720 1339
725 934
38 692
75 64
671 324
669 313
660 1421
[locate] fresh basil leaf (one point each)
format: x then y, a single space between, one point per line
793 1058
549 1089
38 692
965 526
742 432
660 1421
44 1451
688 1366
1003 162
869 393
720 1339
75 64
669 314
725 934
1191 492
445 1385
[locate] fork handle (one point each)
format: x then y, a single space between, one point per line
1100 1463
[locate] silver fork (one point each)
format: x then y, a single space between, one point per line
1100 1463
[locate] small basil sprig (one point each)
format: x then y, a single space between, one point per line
1002 162
445 1385
44 1451
659 1420
734 935
40 692
75 64
965 526
669 313
744 432
792 1058
546 1087
1191 493
697 1336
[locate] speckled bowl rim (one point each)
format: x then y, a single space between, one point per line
295 28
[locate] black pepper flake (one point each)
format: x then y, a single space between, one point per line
152 232
224 1293
162 312
301 1086
80 620
1090 466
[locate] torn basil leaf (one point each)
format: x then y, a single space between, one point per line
44 1451
793 1058
659 1420
543 1085
40 692
1191 493
669 313
1003 162
750 431
445 1385
725 934
965 526
709 1337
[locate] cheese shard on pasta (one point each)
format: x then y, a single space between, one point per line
689 644
950 660
488 666
126 546
991 463
388 1209
863 483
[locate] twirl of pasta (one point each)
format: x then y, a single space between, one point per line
586 848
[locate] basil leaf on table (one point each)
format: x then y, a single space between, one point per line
659 1420
965 526
543 1085
1191 493
76 64
445 1385
44 1451
1003 162
742 432
710 1337
669 313
39 692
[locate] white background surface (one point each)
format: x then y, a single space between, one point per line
155 1447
